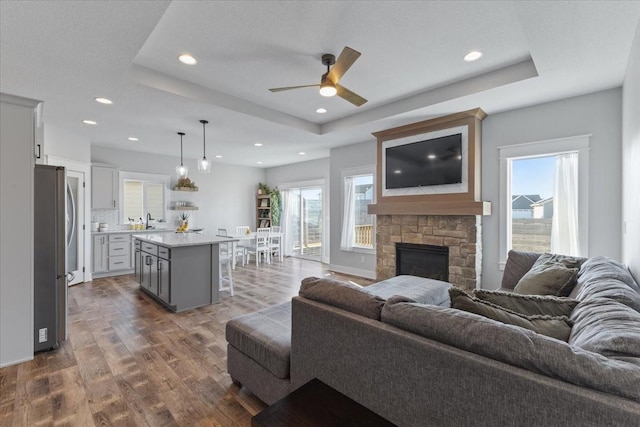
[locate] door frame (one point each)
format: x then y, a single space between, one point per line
85 168
326 226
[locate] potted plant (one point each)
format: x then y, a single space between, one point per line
263 189
186 184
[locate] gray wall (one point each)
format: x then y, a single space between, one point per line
631 161
598 114
351 156
227 195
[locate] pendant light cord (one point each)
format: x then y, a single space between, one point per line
204 144
181 135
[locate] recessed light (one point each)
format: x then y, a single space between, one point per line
218 156
302 153
431 156
259 163
472 56
321 110
89 122
185 58
397 171
133 138
257 144
103 100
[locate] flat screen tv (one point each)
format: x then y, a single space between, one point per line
434 161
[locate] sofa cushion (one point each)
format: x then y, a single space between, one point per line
601 277
529 304
606 327
549 275
342 295
558 327
418 289
515 346
265 337
518 263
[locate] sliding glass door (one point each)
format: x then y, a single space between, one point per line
303 222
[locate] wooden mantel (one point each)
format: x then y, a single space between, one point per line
463 203
431 208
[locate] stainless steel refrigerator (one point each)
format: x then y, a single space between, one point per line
50 262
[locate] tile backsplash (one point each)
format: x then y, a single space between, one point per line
112 217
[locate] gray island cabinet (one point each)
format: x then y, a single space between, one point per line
180 270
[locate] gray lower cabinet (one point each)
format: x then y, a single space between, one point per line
164 280
154 271
178 277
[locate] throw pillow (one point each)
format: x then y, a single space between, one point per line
550 275
529 305
342 295
558 327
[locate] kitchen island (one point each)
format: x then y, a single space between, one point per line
179 270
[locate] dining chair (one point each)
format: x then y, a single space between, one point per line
240 251
226 260
276 242
261 246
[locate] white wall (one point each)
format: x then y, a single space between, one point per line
226 197
631 161
64 144
598 114
16 229
351 156
297 172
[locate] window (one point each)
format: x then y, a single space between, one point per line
544 197
142 194
357 224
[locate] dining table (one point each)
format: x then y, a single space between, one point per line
249 237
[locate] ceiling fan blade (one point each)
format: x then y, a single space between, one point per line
352 97
280 89
346 59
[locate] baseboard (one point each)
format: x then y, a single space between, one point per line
367 274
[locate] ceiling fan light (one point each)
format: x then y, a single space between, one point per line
328 89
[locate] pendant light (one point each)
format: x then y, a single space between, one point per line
204 165
181 170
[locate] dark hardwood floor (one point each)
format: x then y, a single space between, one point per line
130 362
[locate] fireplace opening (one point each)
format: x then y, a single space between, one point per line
427 261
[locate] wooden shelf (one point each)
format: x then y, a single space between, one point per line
184 189
185 208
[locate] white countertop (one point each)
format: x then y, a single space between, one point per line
152 230
174 240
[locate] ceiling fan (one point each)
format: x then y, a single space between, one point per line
329 82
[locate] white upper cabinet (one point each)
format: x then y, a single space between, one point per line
104 187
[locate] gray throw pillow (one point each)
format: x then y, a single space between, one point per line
550 275
558 327
529 305
342 295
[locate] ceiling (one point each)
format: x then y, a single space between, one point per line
411 68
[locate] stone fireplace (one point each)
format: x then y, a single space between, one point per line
442 215
461 234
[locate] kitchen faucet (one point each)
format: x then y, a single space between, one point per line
148 219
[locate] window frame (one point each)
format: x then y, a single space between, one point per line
355 172
506 154
145 178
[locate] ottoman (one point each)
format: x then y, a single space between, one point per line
259 351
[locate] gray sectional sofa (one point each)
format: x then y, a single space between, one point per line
417 362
